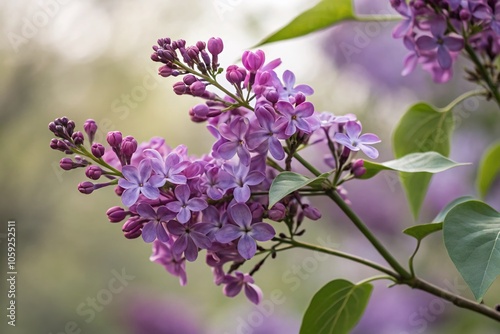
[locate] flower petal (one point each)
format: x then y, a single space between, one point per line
146 211
371 152
247 247
149 232
228 233
262 232
241 215
130 196
253 293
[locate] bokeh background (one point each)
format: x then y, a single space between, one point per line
90 59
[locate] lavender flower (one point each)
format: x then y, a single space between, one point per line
269 133
301 117
138 181
170 169
233 141
190 238
234 285
155 228
244 178
353 141
184 205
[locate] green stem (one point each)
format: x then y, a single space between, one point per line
410 261
368 234
461 98
334 252
376 278
484 73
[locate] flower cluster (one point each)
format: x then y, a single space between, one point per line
218 202
436 31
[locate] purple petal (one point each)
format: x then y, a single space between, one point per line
285 108
290 129
264 116
146 211
126 184
410 62
174 206
289 79
305 89
426 43
369 138
444 58
253 293
182 192
197 204
228 149
149 232
242 194
158 166
257 137
161 233
232 289
371 152
130 196
276 149
305 109
353 129
262 232
438 27
172 159
150 192
157 181
145 170
130 173
176 228
191 252
177 179
247 247
241 215
254 178
180 244
342 139
201 240
154 154
184 215
244 155
226 132
401 29
302 125
454 43
228 233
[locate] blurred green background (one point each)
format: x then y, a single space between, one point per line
91 60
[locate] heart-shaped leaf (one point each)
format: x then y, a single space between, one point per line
472 238
489 168
336 308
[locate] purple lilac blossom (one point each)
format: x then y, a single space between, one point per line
353 139
184 204
234 285
155 228
138 181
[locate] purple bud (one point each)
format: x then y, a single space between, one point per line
180 88
357 168
119 190
300 98
66 164
235 74
114 138
253 60
133 234
70 127
154 57
201 110
464 15
116 214
129 146
272 95
311 212
189 79
277 212
86 187
132 224
193 52
93 172
201 45
197 88
215 46
165 71
90 127
78 138
97 150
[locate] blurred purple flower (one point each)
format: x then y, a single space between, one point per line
235 283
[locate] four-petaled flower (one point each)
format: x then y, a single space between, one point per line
353 141
233 140
245 230
184 205
289 89
301 117
190 237
171 168
269 134
235 283
138 181
157 220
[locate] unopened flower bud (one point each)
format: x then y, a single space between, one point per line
129 146
277 212
78 138
97 150
66 164
201 110
357 168
197 88
86 187
131 224
215 46
189 79
93 172
165 71
90 127
235 74
272 95
114 138
312 212
116 214
180 88
253 60
464 14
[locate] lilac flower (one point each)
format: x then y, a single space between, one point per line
170 168
302 117
217 182
173 263
327 119
288 88
155 228
214 219
404 26
235 283
190 238
184 205
353 141
245 230
270 132
233 140
139 181
244 179
443 44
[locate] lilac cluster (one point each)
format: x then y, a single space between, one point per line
436 31
218 202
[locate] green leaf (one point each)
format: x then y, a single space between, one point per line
423 128
421 231
288 182
489 168
429 162
472 238
336 308
324 14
